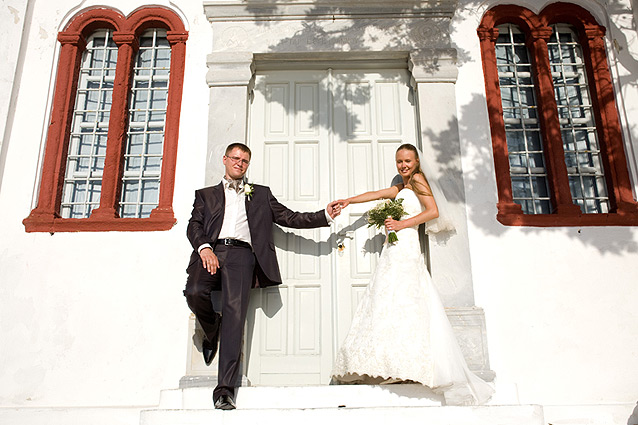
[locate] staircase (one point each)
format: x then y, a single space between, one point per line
339 404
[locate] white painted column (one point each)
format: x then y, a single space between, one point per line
434 75
229 77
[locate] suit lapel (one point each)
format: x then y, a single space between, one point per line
217 201
218 194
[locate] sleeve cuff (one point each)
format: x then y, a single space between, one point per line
330 219
202 246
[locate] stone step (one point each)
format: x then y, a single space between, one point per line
326 396
431 415
310 397
334 404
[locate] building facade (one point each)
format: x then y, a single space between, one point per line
115 112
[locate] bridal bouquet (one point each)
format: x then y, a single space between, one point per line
383 210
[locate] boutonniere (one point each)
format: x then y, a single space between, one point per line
248 190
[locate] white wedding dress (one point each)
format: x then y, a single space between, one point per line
400 331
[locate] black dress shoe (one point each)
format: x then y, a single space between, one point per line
209 349
225 402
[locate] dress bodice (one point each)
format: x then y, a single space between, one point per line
409 237
411 203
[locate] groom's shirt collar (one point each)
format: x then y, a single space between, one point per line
237 185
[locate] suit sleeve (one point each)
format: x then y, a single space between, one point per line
284 216
195 230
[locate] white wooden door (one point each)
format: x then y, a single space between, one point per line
318 136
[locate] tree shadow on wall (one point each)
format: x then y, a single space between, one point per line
479 179
330 27
339 38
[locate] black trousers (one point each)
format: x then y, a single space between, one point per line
234 279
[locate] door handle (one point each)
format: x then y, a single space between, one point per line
342 235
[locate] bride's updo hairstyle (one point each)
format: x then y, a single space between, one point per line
418 187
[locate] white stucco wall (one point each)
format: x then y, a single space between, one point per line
560 303
98 318
94 319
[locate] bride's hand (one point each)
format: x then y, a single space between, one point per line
343 202
392 224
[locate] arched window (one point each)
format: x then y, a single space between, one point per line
111 146
558 148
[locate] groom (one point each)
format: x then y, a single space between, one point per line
230 230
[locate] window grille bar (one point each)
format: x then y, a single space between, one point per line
147 119
87 144
580 138
530 186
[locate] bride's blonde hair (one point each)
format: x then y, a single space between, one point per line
418 187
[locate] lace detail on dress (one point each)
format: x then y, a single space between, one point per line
400 330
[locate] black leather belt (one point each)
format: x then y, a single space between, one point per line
232 242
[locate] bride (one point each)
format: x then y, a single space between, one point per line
400 331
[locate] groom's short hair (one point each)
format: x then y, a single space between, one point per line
240 146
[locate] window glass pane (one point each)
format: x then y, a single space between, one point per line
89 128
147 116
527 164
515 141
578 127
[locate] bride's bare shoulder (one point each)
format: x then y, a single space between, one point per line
420 184
420 179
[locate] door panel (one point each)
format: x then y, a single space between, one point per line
289 140
376 117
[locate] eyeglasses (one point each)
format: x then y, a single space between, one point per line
237 159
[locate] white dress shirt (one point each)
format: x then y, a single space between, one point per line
235 224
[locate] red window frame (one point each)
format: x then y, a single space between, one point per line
126 32
623 207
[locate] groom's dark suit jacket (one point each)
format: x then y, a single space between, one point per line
262 210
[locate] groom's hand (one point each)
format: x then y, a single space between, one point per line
334 209
209 260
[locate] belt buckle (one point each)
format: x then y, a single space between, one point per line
228 242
